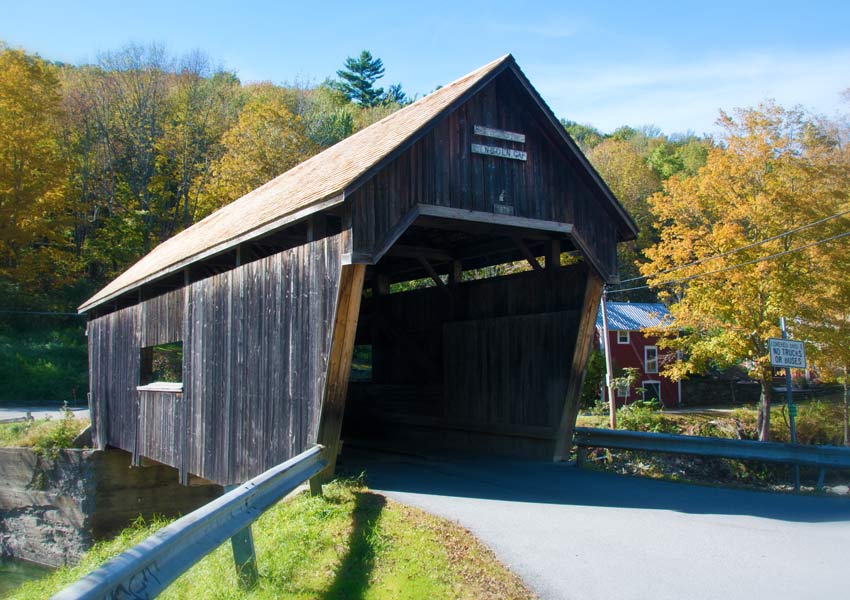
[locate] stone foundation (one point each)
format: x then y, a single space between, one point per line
53 508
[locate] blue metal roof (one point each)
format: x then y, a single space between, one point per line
633 316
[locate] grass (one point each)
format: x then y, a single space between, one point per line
38 365
819 421
348 544
45 435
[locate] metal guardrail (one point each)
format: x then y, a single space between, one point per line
823 457
148 568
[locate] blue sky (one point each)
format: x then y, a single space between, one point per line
670 64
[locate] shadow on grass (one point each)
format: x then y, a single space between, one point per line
352 577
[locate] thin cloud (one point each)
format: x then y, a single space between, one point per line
678 97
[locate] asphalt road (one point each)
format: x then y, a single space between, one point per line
587 535
40 411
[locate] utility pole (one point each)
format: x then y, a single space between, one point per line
609 375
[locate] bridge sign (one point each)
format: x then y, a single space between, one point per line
787 353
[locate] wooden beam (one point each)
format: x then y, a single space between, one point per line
317 227
532 260
478 216
402 251
553 255
382 284
584 342
456 273
339 368
431 272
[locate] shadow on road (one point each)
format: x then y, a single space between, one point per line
544 482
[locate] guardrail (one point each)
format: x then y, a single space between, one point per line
822 457
148 568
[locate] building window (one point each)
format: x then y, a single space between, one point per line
622 391
361 363
651 391
622 337
162 363
650 359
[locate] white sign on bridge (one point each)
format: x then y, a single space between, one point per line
787 353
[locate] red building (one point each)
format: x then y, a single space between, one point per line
632 348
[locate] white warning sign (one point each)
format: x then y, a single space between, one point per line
787 353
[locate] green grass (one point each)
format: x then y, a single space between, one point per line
43 364
45 435
350 543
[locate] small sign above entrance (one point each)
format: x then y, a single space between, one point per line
501 152
499 134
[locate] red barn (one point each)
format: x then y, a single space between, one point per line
632 348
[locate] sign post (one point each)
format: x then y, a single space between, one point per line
791 355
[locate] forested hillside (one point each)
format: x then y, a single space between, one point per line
101 162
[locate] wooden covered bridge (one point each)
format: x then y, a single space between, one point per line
264 301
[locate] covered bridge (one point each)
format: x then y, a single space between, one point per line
264 301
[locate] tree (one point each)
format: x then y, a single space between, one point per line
34 220
267 140
759 185
357 79
824 313
632 180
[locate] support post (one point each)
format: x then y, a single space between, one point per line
244 555
789 397
456 273
584 341
339 368
553 255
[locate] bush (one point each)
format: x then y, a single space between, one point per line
46 436
644 416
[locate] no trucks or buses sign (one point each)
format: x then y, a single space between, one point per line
787 353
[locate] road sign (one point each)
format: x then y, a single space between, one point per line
787 353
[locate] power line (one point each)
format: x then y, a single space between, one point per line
35 312
735 266
747 247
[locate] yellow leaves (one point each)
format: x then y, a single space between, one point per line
32 174
267 140
759 184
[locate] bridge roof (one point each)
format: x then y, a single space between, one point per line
321 182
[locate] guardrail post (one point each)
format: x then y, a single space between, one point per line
821 477
244 555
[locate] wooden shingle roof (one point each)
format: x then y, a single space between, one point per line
310 184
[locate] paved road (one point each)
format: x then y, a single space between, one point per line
591 536
54 411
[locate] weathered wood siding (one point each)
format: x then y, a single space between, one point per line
490 357
440 169
256 341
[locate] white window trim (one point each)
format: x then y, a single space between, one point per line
643 387
646 360
628 336
161 386
623 392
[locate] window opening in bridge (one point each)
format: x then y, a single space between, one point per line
361 363
162 363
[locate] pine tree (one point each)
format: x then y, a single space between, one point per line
357 79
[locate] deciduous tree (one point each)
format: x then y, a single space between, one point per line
757 186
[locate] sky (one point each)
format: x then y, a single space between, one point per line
673 65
